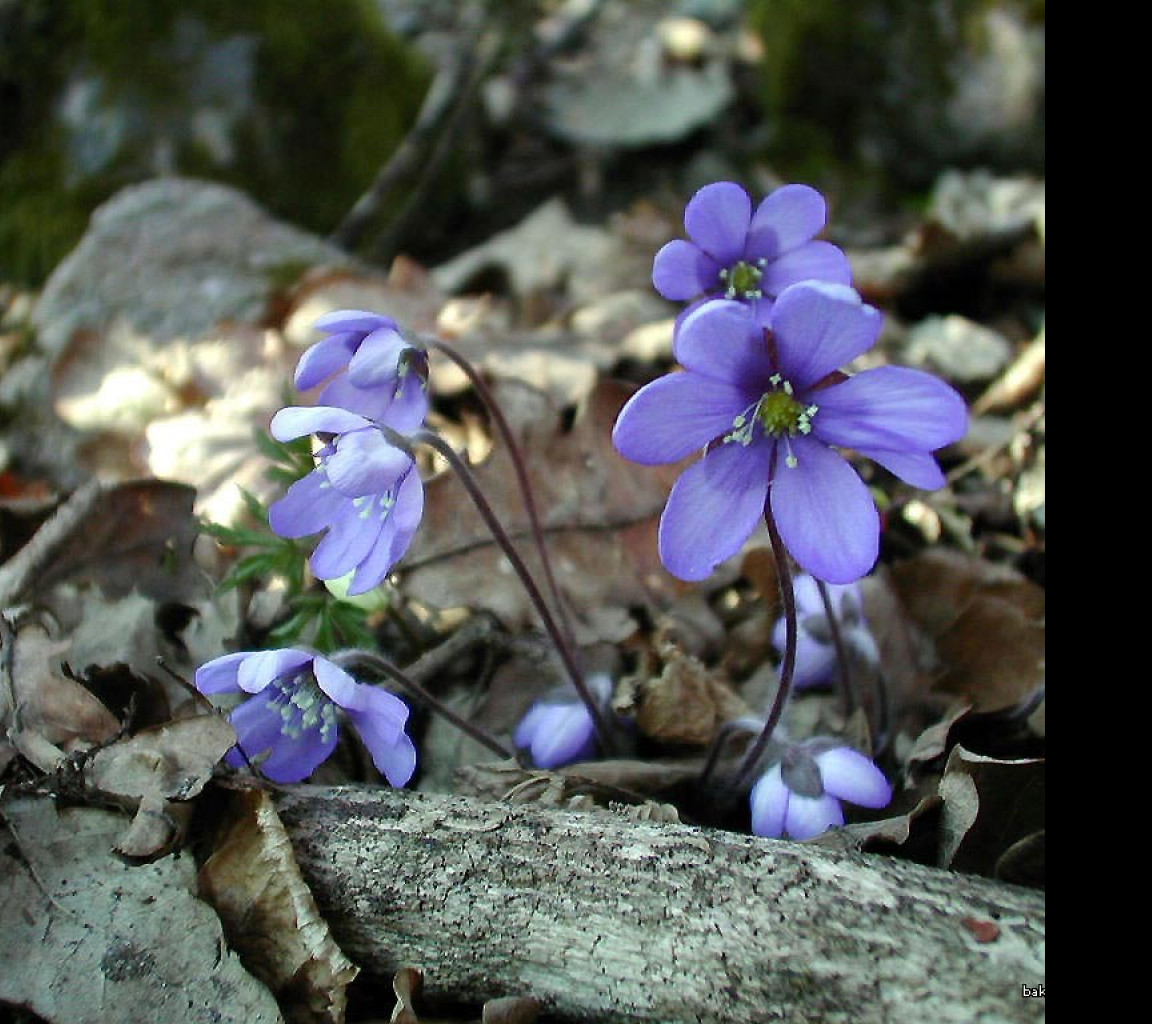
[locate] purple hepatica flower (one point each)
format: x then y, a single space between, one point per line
558 729
815 652
365 492
290 721
799 797
382 369
767 407
750 257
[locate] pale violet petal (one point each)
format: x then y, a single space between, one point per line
674 416
713 509
810 816
819 328
813 261
826 517
682 271
298 421
849 775
786 218
717 219
722 340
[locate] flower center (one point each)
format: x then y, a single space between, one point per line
742 280
779 412
303 706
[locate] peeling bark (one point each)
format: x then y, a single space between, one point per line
608 919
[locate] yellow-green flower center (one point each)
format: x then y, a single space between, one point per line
742 280
779 412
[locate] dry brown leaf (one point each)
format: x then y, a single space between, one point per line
685 701
89 939
986 621
989 805
52 715
269 915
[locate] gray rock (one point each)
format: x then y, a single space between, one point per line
174 258
958 348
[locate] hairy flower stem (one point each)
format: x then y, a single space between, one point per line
370 659
468 479
788 666
517 457
844 679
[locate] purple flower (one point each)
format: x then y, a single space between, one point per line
558 730
815 652
799 797
767 407
366 493
290 723
383 369
750 257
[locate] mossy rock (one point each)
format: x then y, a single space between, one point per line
297 102
899 90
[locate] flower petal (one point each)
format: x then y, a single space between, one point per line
353 320
717 219
815 661
348 542
262 667
849 775
408 408
394 538
339 685
324 358
370 403
297 421
769 799
682 270
307 507
713 509
364 463
258 727
294 758
919 469
674 416
220 674
396 761
892 408
377 360
819 328
785 219
810 816
813 261
561 734
826 517
722 340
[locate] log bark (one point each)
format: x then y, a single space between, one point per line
609 919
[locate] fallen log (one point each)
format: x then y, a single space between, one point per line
608 919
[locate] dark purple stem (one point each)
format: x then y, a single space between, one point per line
468 479
788 666
383 665
844 680
517 456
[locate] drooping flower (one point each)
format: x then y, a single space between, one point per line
364 492
815 651
369 365
768 407
290 723
558 729
800 796
746 256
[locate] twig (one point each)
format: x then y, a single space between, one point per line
31 560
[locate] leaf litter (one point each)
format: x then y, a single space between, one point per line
109 602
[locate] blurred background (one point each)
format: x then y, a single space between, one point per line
481 109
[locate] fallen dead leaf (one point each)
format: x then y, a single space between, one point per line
269 915
89 939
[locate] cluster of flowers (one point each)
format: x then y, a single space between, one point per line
366 496
770 324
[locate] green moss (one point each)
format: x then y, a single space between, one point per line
328 94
